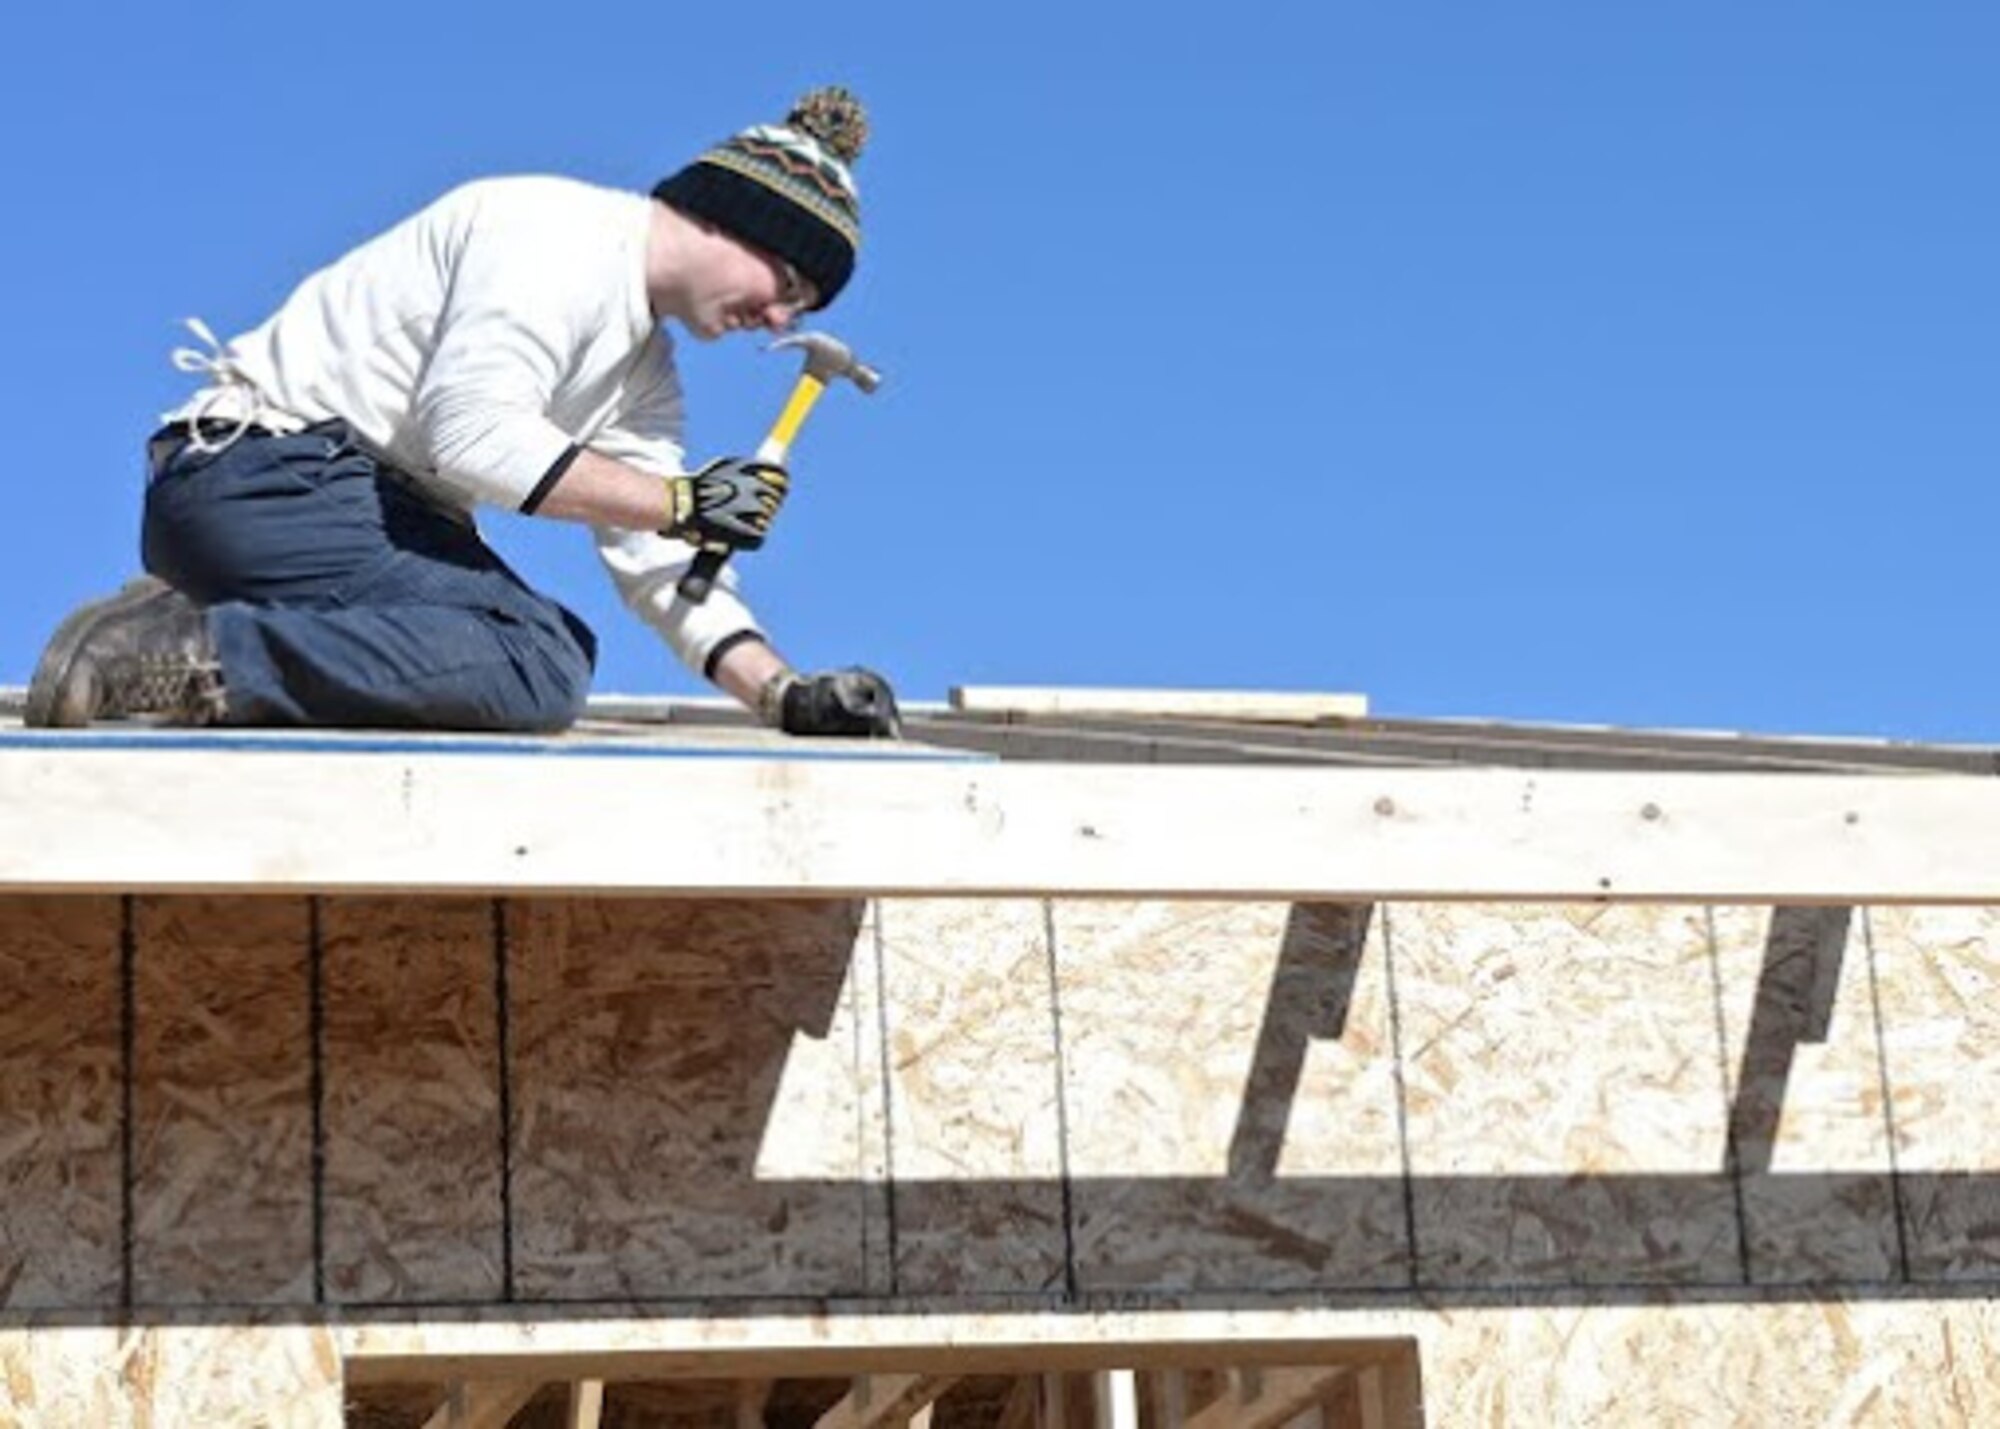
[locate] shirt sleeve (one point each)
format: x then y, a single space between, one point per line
509 326
646 566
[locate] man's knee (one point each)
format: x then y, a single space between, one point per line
563 689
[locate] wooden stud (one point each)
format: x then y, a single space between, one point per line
1268 1398
586 1404
876 1401
752 1395
485 1404
1117 1399
1167 1391
1018 1410
1051 1412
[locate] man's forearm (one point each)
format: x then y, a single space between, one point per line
745 668
607 492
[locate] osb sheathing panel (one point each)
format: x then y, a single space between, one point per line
1913 1367
171 1377
60 1102
688 1106
1940 975
1804 1072
222 1105
411 1119
975 1136
1231 1096
700 1109
1563 1076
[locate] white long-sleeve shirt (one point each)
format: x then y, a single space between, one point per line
478 344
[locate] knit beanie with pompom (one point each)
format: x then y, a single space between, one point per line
786 188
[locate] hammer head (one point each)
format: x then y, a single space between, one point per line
827 358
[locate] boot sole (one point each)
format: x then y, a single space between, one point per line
53 669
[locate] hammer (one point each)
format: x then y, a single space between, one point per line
827 358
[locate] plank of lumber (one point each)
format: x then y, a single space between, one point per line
876 1400
586 1404
1271 1397
1167 1398
119 821
1118 1399
1259 706
1052 1406
485 1404
752 1395
1018 1410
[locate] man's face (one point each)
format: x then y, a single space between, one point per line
740 288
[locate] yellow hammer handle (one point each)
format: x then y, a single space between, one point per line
789 421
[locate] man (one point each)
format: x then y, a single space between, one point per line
308 518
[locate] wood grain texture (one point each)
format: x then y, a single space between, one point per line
974 1128
60 1103
1563 1075
1940 990
680 1132
91 820
223 1119
1804 1076
411 1113
1232 1099
165 1375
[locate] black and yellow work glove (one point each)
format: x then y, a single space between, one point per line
853 703
730 502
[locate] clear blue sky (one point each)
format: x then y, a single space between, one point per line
1577 362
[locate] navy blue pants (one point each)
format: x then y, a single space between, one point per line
339 596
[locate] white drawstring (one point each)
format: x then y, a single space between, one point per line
227 385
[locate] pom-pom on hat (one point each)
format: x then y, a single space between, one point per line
786 188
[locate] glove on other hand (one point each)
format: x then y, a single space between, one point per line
853 702
730 502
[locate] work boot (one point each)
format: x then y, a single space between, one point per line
144 651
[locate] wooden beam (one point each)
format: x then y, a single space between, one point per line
1268 1398
1052 1407
1118 1399
117 820
880 1401
586 1404
752 1395
1166 1395
485 1404
1018 1410
1389 1393
1262 706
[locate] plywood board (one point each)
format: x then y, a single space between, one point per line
1231 1094
61 1103
971 1082
1803 1069
411 1101
667 1125
1840 1362
1563 1077
222 1192
1939 970
161 1376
